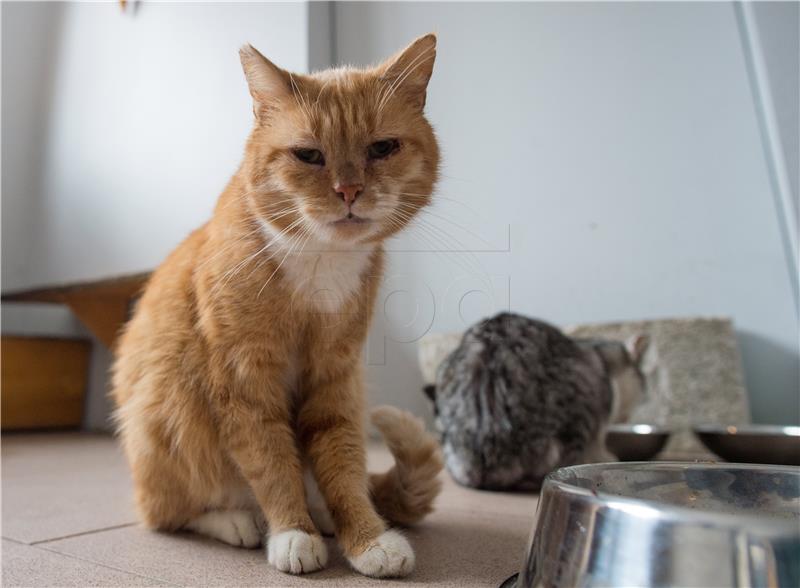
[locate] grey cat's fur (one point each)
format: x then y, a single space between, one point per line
519 398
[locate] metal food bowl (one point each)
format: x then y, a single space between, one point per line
666 524
635 442
773 444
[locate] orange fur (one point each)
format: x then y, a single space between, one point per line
241 365
405 493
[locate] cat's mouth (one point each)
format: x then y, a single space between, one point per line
350 219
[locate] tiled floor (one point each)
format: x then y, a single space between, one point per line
68 521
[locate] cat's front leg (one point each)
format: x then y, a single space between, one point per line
331 430
255 426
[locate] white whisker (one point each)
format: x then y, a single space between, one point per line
288 252
409 225
295 92
438 197
228 245
455 224
446 240
227 276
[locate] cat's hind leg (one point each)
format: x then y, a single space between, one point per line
165 503
170 497
234 527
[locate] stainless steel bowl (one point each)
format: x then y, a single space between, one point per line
773 444
635 442
666 524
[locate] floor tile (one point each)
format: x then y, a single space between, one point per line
453 548
60 484
25 565
456 497
71 494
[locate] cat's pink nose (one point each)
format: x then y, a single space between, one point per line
349 193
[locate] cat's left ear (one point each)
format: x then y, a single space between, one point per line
636 345
409 71
267 82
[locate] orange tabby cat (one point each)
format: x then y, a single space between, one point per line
238 381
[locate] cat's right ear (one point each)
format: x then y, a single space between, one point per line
267 82
410 70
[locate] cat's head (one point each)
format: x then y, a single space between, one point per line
344 155
623 363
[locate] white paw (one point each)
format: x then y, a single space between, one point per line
235 527
389 556
296 552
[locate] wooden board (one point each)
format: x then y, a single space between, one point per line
43 382
102 306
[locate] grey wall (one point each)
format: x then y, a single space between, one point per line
778 24
30 34
619 145
139 119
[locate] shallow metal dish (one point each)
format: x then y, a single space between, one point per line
666 524
635 442
773 444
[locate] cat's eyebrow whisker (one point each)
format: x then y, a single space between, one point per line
295 92
321 90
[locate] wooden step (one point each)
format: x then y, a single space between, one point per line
43 382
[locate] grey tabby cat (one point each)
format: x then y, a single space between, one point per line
518 398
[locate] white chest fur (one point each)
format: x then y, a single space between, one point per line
325 277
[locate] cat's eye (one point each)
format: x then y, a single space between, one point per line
311 156
381 149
